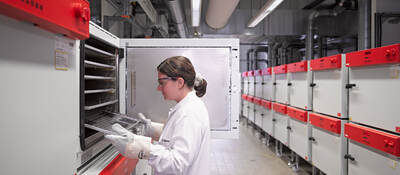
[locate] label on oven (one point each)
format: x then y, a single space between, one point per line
63 52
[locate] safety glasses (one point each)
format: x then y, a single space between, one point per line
161 80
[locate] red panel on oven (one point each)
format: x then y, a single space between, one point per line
266 104
267 71
282 69
297 67
250 98
324 122
251 73
281 108
297 114
380 140
258 72
331 62
257 100
70 18
380 55
120 165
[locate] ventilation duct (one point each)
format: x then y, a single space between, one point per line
177 17
219 12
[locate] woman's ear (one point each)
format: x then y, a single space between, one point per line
181 82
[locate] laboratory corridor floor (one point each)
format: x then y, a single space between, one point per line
247 156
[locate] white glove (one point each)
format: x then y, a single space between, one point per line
128 144
144 119
153 129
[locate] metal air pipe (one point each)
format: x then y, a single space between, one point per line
274 51
310 30
364 24
270 47
219 12
248 59
177 16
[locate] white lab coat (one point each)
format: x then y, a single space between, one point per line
184 144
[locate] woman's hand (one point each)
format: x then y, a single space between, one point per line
144 118
128 144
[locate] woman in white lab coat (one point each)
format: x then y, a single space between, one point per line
184 140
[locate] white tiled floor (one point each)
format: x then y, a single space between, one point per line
246 156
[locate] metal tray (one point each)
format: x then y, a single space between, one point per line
104 123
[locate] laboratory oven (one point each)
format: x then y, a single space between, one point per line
267 121
248 102
259 112
299 84
39 73
258 96
247 107
258 82
374 131
372 151
217 60
298 132
268 84
281 84
328 143
245 91
329 85
101 104
244 105
374 85
281 123
245 96
251 108
99 99
251 77
252 95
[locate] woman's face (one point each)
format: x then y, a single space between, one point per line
167 86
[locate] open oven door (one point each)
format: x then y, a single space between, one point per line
217 60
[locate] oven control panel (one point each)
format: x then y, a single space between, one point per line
69 18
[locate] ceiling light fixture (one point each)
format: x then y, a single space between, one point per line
195 6
265 10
